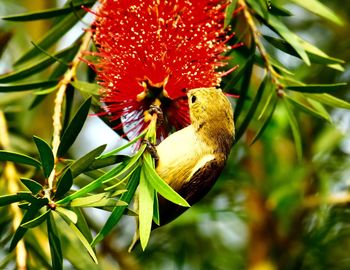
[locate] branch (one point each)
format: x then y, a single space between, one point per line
57 115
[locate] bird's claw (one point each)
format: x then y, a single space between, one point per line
157 110
151 148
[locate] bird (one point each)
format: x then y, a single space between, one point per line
191 159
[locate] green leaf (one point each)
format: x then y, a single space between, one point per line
230 9
48 13
156 216
19 158
289 37
55 244
64 184
46 155
82 224
295 129
81 164
266 121
89 88
97 200
146 199
28 215
128 165
244 87
36 221
80 236
91 186
69 97
319 9
72 216
315 54
57 72
279 11
119 210
26 86
84 241
317 88
159 185
108 161
35 67
74 128
330 100
309 108
32 185
117 150
8 199
53 35
242 128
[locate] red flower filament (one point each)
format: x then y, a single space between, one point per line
157 49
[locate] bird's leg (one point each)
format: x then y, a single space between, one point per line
151 148
153 108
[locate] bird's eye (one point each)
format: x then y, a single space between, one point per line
193 99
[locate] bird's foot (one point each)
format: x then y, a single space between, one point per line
151 148
157 110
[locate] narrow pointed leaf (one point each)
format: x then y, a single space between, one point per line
8 199
53 35
46 155
48 13
19 158
330 100
295 129
57 72
316 55
319 9
156 216
82 224
74 128
72 216
64 184
146 199
118 211
244 88
35 67
55 244
242 128
91 186
108 161
129 165
117 150
32 185
309 109
81 164
89 88
36 221
88 200
81 237
20 232
27 86
159 184
84 241
317 88
265 123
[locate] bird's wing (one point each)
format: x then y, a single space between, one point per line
192 191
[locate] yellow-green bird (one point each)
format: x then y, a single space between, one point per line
191 159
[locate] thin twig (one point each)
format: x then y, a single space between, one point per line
256 36
57 114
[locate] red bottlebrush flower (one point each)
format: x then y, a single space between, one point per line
157 49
